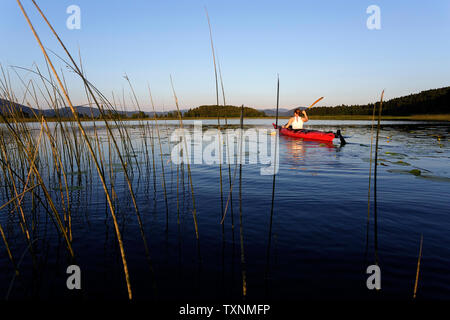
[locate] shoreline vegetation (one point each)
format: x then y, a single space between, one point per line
414 117
432 105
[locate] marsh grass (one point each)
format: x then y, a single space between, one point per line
191 184
47 168
96 158
162 159
416 283
218 117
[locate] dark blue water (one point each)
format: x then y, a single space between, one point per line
316 243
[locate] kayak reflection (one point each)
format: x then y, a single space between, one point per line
298 150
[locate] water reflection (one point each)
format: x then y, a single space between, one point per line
298 150
293 249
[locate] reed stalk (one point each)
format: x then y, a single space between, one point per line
241 228
218 114
2 232
370 178
88 87
160 153
60 168
194 210
418 267
91 150
226 143
375 180
269 242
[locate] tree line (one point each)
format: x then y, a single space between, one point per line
213 111
435 101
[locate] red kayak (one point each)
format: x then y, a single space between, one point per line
310 134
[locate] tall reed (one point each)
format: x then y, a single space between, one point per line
194 210
241 227
161 155
375 181
269 242
370 178
90 148
228 154
418 267
218 115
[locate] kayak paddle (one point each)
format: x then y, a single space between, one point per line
315 102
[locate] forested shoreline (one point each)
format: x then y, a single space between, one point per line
429 102
435 101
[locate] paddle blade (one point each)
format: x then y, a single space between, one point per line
315 102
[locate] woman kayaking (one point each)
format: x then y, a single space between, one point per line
296 122
294 128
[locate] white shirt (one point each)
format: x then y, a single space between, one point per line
297 123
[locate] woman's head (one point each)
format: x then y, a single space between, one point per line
298 112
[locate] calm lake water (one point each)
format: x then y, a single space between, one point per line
313 246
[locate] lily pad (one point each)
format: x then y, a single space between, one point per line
401 163
396 155
415 172
435 178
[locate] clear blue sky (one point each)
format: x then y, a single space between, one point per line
319 48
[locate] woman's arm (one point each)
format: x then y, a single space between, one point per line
306 116
289 123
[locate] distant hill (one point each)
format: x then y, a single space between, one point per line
434 101
283 112
7 107
212 111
